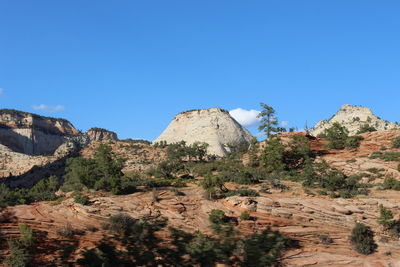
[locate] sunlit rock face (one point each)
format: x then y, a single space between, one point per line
353 117
213 126
32 134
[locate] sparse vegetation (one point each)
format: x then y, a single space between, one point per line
366 128
386 156
19 248
244 216
43 190
26 239
396 142
66 231
362 239
324 239
338 137
103 172
319 174
385 217
81 199
272 156
19 256
391 183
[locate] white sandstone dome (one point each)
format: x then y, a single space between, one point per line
353 117
213 126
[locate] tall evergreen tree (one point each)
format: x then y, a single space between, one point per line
269 122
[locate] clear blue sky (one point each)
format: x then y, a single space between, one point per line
130 66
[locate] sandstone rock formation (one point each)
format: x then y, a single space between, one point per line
302 218
98 134
213 126
32 134
353 117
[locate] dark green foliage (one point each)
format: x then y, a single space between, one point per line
254 160
144 247
81 199
269 122
272 156
19 257
166 169
103 172
236 150
353 141
80 172
391 183
211 183
362 239
385 217
10 197
43 190
179 151
202 250
136 141
264 249
217 217
366 128
319 174
386 156
336 135
103 255
244 216
243 192
242 176
26 239
299 152
161 144
396 142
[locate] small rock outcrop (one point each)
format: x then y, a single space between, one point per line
353 117
99 134
32 134
213 126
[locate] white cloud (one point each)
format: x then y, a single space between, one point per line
245 117
284 123
50 109
1 91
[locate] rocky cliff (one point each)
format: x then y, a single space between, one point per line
353 117
98 134
213 126
32 134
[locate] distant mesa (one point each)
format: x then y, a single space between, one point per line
353 117
213 126
99 134
32 134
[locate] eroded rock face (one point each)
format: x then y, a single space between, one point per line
353 117
32 134
213 126
99 134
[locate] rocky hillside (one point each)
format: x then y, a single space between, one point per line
353 117
213 126
139 156
32 134
303 218
98 134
